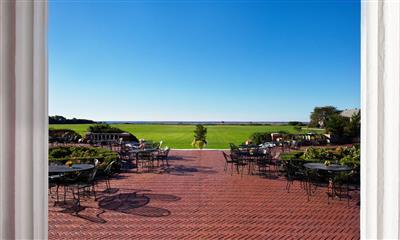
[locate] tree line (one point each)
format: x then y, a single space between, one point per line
62 120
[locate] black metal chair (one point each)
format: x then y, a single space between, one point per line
145 159
55 181
239 161
295 171
128 160
228 161
162 155
265 163
87 182
339 186
112 169
67 182
233 147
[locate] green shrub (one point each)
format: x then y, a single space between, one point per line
106 128
351 157
82 154
291 155
200 135
63 135
261 137
320 154
103 128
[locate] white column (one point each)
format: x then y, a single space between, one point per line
23 120
380 135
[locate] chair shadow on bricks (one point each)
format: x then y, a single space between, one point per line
127 202
137 204
182 170
182 158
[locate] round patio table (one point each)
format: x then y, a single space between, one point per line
144 150
332 169
65 169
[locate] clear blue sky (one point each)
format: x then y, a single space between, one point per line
202 60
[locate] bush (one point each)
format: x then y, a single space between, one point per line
82 154
103 128
351 157
261 137
200 135
291 155
63 135
321 154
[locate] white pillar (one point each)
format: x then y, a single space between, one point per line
23 120
380 135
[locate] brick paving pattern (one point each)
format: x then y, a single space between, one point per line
196 199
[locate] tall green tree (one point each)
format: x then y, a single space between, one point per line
353 128
344 129
320 115
336 125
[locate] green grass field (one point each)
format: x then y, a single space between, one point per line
181 136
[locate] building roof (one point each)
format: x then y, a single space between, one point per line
350 112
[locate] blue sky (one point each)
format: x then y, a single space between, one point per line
202 60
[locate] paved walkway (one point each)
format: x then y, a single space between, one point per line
198 200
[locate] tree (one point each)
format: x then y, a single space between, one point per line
62 120
344 129
336 125
353 128
200 135
320 115
261 137
295 123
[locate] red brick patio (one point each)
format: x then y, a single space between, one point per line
198 200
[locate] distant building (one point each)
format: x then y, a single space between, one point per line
349 112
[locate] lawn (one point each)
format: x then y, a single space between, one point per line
181 136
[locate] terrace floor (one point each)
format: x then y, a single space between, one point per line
198 200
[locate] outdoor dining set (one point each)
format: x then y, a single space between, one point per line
249 157
146 158
266 162
80 178
77 180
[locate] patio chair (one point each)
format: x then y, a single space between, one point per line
67 182
294 171
126 160
162 155
339 186
239 162
233 147
145 160
265 163
228 161
54 181
111 170
87 182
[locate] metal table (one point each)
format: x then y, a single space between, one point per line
54 169
332 169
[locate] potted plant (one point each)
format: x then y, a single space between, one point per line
200 134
